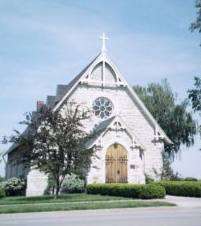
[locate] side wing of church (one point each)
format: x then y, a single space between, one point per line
129 141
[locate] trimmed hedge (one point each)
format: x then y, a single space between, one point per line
182 188
190 179
152 191
149 191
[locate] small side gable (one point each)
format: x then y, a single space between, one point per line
117 125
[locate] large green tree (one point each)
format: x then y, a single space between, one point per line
173 117
55 142
195 95
196 25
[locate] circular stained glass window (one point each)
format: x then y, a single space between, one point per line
102 107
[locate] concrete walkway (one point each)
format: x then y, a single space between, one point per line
184 201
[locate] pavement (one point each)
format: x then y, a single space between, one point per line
184 201
187 213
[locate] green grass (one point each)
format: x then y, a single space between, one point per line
71 202
44 207
79 197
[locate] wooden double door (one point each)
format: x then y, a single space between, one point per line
116 164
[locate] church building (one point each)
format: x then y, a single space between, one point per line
129 143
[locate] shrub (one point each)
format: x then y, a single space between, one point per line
190 179
2 191
14 187
148 179
127 190
182 188
1 179
152 191
72 184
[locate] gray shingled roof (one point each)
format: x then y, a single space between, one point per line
102 126
25 133
98 129
63 89
51 101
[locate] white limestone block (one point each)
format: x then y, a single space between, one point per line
37 182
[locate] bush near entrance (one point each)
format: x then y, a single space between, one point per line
148 191
182 188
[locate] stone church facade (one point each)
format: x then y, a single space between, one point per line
129 143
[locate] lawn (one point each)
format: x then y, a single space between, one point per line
71 202
79 197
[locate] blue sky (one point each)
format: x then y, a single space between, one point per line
47 42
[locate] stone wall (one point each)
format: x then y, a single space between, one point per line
36 183
135 163
126 108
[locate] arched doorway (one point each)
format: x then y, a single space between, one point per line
116 164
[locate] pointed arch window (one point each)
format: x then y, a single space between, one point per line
102 107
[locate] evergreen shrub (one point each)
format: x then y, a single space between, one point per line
182 188
147 191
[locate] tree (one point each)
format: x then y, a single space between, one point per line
57 142
173 117
196 25
195 95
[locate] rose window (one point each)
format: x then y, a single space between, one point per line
102 107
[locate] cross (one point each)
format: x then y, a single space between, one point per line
103 39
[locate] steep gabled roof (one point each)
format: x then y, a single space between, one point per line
72 83
103 125
84 76
55 102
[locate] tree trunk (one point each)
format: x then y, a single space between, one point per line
57 190
85 184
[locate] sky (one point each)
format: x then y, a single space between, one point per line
47 42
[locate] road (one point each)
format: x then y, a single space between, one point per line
166 216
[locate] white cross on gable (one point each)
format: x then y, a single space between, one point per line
103 38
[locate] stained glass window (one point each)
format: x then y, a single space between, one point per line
102 107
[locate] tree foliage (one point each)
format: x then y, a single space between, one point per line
196 25
57 142
1 179
195 95
173 117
